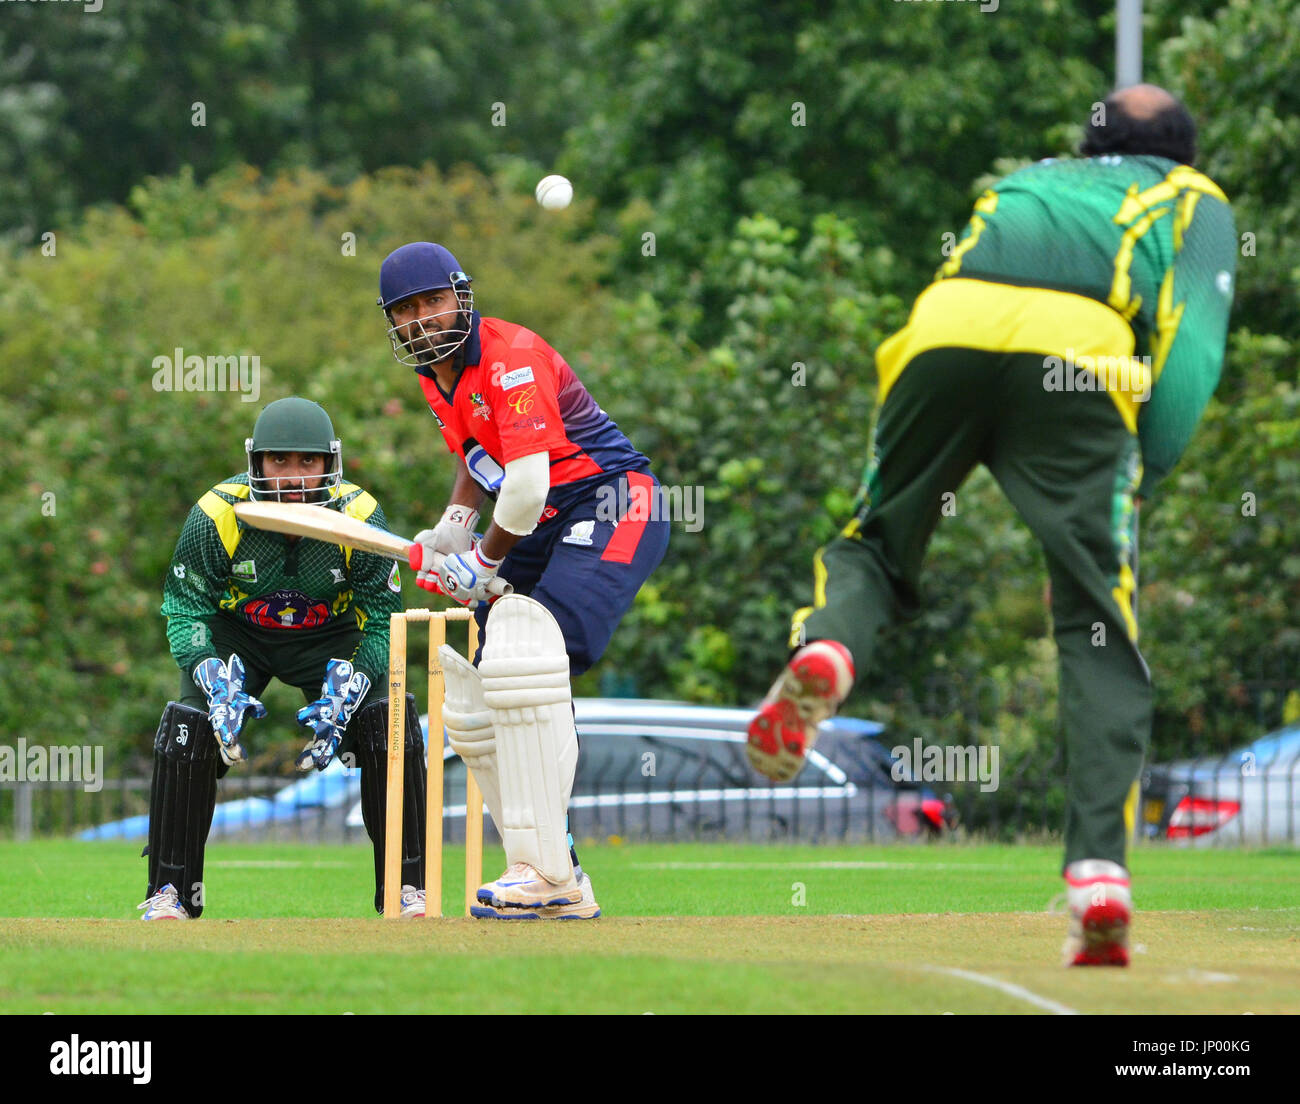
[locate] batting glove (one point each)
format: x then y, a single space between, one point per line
328 715
465 576
223 683
453 535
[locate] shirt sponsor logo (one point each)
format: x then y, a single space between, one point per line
286 609
517 377
535 422
521 402
246 570
395 581
480 407
580 533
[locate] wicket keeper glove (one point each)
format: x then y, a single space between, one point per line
452 535
223 683
328 715
465 576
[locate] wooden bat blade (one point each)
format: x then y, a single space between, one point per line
299 519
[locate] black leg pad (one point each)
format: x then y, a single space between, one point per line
182 797
372 755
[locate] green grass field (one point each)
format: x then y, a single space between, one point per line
687 928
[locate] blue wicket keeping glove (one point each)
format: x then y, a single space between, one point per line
328 715
465 576
223 683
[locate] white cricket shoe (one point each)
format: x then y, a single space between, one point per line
164 905
522 886
1101 906
412 902
586 909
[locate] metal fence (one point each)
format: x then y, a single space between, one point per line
1219 800
652 771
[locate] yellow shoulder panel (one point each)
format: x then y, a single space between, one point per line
222 514
362 506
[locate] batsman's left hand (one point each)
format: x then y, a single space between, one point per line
466 576
328 715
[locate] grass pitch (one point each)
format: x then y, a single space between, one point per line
687 928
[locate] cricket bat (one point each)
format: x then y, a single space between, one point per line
300 519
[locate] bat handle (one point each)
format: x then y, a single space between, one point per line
415 558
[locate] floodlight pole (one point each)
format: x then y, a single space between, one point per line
1128 43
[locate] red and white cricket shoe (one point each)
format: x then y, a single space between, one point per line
808 691
1101 907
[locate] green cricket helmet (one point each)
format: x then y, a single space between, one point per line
293 425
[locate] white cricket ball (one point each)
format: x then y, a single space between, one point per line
554 192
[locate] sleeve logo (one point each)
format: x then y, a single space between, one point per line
523 401
517 377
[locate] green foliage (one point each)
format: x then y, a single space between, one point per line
92 103
883 114
770 425
735 347
1237 74
103 466
1221 582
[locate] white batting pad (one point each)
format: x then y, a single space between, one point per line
525 673
469 726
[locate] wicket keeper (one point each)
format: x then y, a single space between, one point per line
576 529
244 606
1070 344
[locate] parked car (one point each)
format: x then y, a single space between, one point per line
673 770
648 770
1247 796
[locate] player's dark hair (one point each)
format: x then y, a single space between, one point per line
1168 132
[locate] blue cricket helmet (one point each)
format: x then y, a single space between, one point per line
412 270
417 267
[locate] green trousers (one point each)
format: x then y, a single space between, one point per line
1069 465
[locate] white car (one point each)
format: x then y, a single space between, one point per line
1247 796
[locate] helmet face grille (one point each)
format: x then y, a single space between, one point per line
433 338
268 488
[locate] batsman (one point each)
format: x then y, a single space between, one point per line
576 529
244 606
1069 344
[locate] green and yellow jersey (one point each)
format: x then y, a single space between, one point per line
1152 240
273 584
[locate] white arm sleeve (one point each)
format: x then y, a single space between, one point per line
523 494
